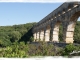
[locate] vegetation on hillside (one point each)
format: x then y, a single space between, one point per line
11 34
14 42
22 50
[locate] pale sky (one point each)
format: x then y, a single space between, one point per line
12 13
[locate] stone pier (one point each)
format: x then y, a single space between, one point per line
47 29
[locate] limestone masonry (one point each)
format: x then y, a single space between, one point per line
48 28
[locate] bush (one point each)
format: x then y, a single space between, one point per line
41 49
68 49
22 50
16 50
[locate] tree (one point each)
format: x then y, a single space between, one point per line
15 36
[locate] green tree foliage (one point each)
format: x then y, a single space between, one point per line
68 49
77 33
10 34
61 32
15 50
4 39
21 50
15 35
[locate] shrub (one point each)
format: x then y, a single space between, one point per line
15 50
68 49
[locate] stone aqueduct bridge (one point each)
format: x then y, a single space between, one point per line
48 28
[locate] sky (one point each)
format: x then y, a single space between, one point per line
14 13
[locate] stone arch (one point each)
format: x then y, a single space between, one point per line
37 35
34 34
41 36
56 32
47 33
71 27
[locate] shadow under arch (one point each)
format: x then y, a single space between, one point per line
71 27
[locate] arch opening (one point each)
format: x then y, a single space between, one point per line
47 33
41 35
77 32
56 32
61 33
34 37
71 27
37 36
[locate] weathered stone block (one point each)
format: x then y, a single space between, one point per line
70 29
69 34
69 40
55 32
41 38
71 26
56 28
55 38
46 38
